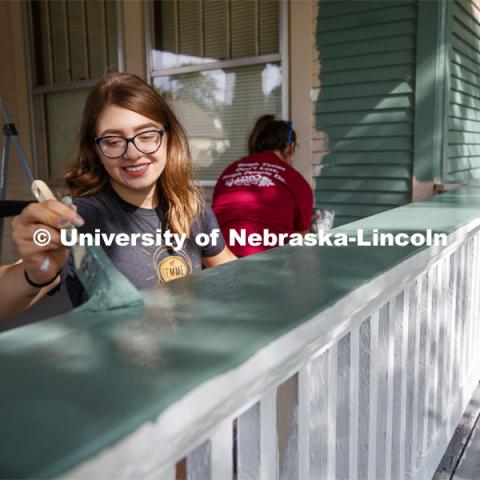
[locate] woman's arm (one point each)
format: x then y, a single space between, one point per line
40 263
17 295
223 257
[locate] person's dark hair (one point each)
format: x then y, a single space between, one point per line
270 134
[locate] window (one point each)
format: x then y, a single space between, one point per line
73 44
219 64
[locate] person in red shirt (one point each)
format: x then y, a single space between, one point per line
263 191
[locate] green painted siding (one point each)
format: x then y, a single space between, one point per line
464 106
366 105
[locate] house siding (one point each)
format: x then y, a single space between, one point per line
464 104
364 114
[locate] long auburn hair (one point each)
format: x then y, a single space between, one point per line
176 183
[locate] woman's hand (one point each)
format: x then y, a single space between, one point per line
42 262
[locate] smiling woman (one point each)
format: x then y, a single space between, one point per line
133 174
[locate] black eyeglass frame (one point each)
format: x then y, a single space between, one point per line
98 141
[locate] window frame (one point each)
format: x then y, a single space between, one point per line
281 57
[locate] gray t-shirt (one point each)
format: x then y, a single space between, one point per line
144 266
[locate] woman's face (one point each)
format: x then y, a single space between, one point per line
133 170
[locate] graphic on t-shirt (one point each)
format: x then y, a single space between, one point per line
170 266
259 174
247 180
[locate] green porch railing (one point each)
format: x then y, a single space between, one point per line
380 345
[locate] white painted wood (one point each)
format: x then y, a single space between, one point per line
305 395
248 444
445 299
364 400
403 388
166 474
268 436
343 409
475 299
199 463
372 434
412 367
436 356
452 321
332 412
428 373
470 302
392 314
222 452
354 400
468 297
463 317
319 420
287 428
431 460
416 374
474 302
393 462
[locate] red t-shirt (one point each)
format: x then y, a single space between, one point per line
261 192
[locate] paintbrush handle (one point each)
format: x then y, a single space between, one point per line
41 191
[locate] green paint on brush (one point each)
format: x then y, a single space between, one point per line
106 287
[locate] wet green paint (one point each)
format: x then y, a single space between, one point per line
75 384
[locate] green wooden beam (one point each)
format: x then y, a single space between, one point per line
431 92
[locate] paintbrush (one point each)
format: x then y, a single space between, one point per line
106 287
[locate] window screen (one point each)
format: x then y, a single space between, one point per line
218 109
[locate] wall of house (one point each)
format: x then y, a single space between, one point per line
301 47
364 112
13 89
464 105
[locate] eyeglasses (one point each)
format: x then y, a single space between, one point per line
114 146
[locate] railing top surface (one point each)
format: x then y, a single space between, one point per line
78 383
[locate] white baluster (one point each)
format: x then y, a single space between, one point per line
354 399
453 333
319 417
392 315
372 434
287 428
427 359
248 441
404 379
416 374
364 410
305 395
435 412
343 408
198 463
222 452
332 412
268 436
